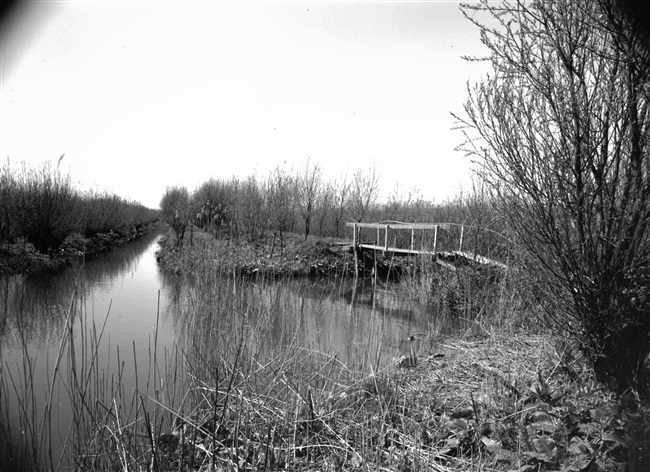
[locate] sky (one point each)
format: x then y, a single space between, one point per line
142 95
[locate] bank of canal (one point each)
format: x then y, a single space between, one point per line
119 364
108 317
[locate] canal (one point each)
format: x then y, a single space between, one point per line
115 331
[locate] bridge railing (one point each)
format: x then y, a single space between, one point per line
431 238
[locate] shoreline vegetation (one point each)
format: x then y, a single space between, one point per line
502 396
45 222
21 257
314 256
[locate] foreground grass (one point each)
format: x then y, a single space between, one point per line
503 400
488 399
493 402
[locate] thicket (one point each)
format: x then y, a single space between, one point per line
303 201
41 206
560 130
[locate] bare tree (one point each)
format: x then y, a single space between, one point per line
308 184
175 209
252 211
561 132
340 190
395 208
364 190
280 203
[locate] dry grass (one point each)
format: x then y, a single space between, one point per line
300 257
500 400
497 403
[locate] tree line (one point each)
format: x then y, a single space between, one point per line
303 201
40 205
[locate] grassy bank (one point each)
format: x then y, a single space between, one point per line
295 256
21 256
496 403
494 397
502 396
45 220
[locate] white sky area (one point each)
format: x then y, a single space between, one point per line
147 94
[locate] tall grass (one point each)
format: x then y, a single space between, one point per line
268 397
245 387
107 417
248 386
487 292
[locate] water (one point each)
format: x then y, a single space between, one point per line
131 312
117 291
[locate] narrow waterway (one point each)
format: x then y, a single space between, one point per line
107 302
112 315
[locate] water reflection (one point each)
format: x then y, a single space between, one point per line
34 315
34 307
207 318
360 324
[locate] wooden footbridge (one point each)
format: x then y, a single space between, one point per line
444 242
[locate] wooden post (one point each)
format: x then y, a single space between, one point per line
386 240
435 239
355 249
412 237
374 268
462 232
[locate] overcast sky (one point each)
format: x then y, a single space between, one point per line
146 94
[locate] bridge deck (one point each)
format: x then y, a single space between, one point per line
446 258
439 255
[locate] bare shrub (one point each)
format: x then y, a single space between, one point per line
8 197
48 207
308 186
560 131
175 208
364 190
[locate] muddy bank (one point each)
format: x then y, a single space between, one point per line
21 257
315 256
295 257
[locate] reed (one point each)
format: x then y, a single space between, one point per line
106 421
247 387
228 370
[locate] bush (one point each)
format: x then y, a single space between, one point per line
175 209
560 131
8 194
40 205
48 207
